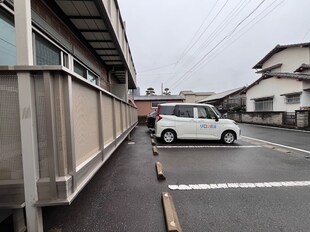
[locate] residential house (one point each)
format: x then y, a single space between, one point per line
65 71
285 81
230 100
192 97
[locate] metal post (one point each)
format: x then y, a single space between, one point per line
101 129
23 28
121 116
51 133
114 121
70 131
29 150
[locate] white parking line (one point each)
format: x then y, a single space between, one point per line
168 147
276 128
276 144
239 185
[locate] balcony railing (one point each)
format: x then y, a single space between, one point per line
77 127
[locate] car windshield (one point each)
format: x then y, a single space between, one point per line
217 112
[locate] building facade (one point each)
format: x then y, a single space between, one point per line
284 84
230 100
148 104
193 97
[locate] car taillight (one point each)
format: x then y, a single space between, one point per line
158 114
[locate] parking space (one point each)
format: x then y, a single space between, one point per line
247 186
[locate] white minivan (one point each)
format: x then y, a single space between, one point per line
193 121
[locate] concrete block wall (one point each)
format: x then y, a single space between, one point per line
302 119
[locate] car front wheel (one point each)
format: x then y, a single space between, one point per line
228 137
169 136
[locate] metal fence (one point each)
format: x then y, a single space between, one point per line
289 118
78 127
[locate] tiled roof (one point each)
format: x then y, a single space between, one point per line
302 67
277 49
298 76
269 68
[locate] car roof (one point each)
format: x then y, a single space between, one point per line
184 104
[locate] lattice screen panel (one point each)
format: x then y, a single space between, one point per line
10 141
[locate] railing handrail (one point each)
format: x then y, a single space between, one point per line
42 68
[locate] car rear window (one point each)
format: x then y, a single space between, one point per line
166 110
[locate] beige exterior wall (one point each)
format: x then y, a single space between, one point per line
192 98
291 59
274 87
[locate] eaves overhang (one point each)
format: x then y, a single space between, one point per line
298 77
277 49
91 23
269 68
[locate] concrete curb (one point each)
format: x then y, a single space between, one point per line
171 217
155 151
159 170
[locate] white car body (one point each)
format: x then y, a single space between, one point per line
194 125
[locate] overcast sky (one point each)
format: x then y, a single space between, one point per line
208 45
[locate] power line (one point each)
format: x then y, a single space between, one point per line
222 26
249 27
207 26
228 45
187 46
201 34
159 67
220 42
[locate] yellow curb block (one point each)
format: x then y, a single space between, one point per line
160 172
171 217
155 150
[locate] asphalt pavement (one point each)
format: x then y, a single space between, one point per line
124 195
247 186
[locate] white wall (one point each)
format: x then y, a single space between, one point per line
291 59
305 97
274 87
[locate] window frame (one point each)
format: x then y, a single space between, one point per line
8 17
264 102
294 97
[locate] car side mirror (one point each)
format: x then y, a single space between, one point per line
216 118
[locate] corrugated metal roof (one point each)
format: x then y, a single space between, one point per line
221 95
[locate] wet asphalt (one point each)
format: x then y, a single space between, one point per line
125 194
